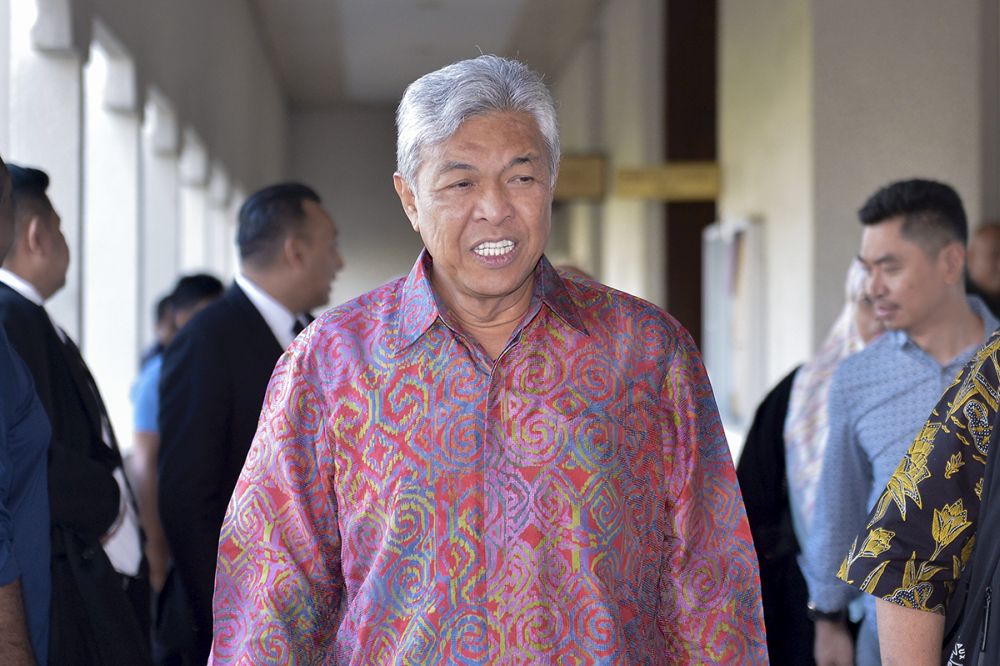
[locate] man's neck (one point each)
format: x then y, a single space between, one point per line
955 328
490 322
22 285
271 285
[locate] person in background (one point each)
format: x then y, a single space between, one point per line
214 376
934 522
484 462
913 251
190 294
100 585
984 265
163 331
779 467
25 553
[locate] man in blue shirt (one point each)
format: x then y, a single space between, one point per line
189 296
25 581
913 250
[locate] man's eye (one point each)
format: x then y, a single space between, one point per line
524 179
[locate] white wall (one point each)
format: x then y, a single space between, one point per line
208 59
610 97
821 103
766 155
578 93
349 156
4 77
897 94
208 62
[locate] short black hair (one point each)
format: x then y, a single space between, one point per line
193 289
28 187
267 217
932 212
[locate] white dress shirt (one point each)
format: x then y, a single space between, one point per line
279 318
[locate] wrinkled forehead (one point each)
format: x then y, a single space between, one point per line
497 133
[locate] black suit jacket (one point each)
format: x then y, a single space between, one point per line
215 374
92 620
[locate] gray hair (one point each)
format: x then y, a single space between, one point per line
435 105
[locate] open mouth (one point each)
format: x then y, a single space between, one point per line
494 248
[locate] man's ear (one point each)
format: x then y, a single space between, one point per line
407 198
292 249
953 258
34 232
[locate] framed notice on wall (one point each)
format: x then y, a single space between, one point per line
734 315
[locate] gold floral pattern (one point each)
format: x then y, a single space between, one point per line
948 523
911 471
921 531
952 465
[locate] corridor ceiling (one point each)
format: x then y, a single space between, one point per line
339 52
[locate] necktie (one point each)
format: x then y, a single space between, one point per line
298 326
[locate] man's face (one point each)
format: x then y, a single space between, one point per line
482 206
55 254
321 260
906 285
984 260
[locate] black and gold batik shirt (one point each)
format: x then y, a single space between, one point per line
920 533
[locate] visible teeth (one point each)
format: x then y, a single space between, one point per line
491 249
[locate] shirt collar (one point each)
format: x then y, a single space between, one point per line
420 308
21 286
278 318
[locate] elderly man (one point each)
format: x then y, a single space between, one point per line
484 462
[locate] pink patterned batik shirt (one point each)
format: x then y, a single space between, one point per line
408 500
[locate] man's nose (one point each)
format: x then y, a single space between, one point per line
874 285
494 204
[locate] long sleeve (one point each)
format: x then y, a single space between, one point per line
710 607
279 582
841 505
920 533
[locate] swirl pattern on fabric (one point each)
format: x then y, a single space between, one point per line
409 500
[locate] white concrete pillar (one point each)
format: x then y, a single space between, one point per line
110 334
5 67
193 204
219 192
633 116
160 254
232 226
46 110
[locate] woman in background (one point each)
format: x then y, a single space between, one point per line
779 468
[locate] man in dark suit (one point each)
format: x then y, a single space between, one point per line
25 577
100 591
215 374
